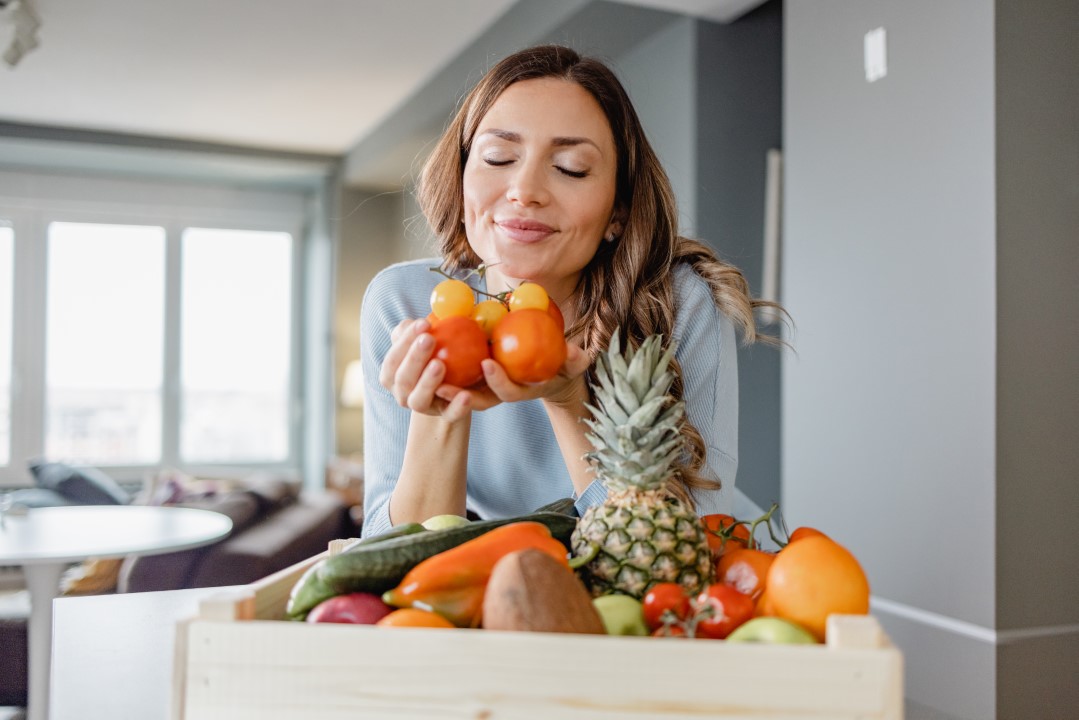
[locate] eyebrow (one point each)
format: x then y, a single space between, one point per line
510 136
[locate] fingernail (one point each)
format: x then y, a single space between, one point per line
424 341
488 366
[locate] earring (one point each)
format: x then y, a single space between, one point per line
610 237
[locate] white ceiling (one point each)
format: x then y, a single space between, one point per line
312 76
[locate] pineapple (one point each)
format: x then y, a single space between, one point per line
643 534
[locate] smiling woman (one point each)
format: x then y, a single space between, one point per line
545 175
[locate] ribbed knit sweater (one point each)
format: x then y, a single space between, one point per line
514 464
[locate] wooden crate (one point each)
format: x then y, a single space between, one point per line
237 661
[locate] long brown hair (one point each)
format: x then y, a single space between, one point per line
628 285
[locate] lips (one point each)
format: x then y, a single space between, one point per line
526 231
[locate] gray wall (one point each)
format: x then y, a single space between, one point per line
929 416
739 117
1037 453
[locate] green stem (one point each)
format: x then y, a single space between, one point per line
582 560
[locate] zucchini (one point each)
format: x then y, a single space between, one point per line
565 506
311 589
380 567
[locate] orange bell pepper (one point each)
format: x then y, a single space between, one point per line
452 583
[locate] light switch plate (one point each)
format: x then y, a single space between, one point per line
876 56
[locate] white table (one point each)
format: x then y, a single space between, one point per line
46 540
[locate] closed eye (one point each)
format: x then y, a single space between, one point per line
496 163
572 173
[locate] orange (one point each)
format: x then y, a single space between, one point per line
413 617
814 577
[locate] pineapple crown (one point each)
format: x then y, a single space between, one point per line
636 428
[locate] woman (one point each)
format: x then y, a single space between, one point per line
545 175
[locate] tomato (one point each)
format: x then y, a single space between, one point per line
670 631
764 605
452 298
745 570
528 345
413 617
556 314
664 604
804 532
487 314
720 609
813 578
528 295
723 531
461 345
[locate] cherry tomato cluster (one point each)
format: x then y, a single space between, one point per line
808 579
522 331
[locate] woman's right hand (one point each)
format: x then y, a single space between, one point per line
411 374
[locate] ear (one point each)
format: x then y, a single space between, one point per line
615 227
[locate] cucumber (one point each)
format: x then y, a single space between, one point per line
380 567
565 506
311 589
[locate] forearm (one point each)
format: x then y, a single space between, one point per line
569 431
434 472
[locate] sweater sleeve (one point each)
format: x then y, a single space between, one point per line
707 352
393 295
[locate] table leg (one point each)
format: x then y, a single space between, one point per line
43 582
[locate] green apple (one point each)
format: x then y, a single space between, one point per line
771 630
621 615
441 522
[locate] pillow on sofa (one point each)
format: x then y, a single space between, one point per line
86 486
36 497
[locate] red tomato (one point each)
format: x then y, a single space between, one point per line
724 531
720 609
663 604
461 345
670 631
744 570
528 345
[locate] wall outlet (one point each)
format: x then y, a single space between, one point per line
876 56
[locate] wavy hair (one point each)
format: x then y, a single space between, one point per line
628 285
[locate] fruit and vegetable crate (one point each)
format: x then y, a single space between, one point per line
240 659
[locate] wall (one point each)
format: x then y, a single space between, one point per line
1037 456
739 117
929 265
368 230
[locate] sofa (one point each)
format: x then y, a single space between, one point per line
274 526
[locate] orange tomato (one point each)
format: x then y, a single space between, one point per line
813 578
804 532
745 570
487 314
528 345
528 295
413 617
452 298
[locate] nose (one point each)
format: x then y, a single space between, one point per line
528 184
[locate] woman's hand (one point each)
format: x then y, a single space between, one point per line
413 376
566 388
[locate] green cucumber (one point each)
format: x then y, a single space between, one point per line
311 589
378 568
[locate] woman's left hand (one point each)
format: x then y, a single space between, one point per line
566 388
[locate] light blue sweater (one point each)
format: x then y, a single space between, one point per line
514 464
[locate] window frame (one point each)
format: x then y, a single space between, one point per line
30 202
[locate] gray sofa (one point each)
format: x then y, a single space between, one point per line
274 526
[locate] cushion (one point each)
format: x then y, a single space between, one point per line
86 486
36 497
92 577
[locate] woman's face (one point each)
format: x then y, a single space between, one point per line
539 185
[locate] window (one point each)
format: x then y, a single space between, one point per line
104 348
154 325
7 287
235 339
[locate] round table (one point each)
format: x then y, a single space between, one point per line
44 541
